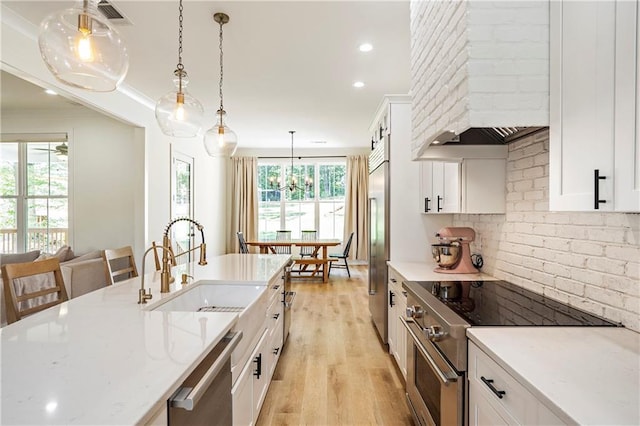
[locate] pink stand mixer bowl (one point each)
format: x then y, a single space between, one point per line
454 239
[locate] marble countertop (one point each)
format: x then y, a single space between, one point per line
103 359
424 271
585 375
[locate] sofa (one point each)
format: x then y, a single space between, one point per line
81 274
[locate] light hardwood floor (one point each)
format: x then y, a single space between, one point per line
334 370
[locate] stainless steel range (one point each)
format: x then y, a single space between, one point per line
438 314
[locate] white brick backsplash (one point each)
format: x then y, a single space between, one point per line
631 304
533 172
621 252
570 286
587 247
556 244
589 260
624 285
556 269
633 270
587 277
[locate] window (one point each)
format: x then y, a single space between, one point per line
319 206
34 196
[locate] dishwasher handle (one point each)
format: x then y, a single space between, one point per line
187 397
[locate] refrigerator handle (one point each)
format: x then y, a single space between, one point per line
373 237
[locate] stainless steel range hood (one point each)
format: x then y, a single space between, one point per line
485 136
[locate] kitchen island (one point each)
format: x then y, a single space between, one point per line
104 359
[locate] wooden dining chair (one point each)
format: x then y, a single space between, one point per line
120 264
32 287
283 236
308 250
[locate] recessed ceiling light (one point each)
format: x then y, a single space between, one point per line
358 84
50 92
365 47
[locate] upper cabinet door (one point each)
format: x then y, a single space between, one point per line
593 95
627 124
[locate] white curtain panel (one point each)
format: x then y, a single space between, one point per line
356 216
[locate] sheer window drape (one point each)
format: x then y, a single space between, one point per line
244 201
356 216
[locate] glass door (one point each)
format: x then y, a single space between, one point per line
182 233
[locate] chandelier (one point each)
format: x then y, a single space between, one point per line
82 49
178 113
220 140
293 184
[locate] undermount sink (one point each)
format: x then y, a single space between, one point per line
249 301
212 298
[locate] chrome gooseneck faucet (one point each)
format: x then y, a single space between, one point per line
143 296
165 275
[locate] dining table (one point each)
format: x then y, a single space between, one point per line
319 257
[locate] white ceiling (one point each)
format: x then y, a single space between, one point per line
288 65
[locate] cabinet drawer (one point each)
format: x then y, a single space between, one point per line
485 373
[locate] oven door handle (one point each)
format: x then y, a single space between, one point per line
187 397
442 376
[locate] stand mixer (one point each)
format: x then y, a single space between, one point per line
453 254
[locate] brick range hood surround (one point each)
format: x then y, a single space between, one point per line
477 64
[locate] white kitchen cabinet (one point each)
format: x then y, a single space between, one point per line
440 186
250 389
496 397
594 149
468 185
397 334
242 395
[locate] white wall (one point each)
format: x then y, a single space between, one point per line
589 260
20 56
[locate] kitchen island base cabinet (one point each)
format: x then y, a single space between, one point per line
250 389
496 397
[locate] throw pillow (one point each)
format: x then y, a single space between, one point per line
19 257
43 256
62 253
91 255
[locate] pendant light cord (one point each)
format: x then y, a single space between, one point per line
293 185
221 69
180 67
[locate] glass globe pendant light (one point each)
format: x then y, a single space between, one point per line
82 49
178 113
220 140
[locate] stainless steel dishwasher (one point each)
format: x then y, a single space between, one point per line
205 396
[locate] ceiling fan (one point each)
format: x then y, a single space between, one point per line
60 150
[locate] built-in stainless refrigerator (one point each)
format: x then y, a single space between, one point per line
379 236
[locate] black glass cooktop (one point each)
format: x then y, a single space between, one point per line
500 303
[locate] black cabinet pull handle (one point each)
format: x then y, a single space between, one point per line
596 189
258 371
439 199
276 316
489 383
391 298
427 209
276 350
